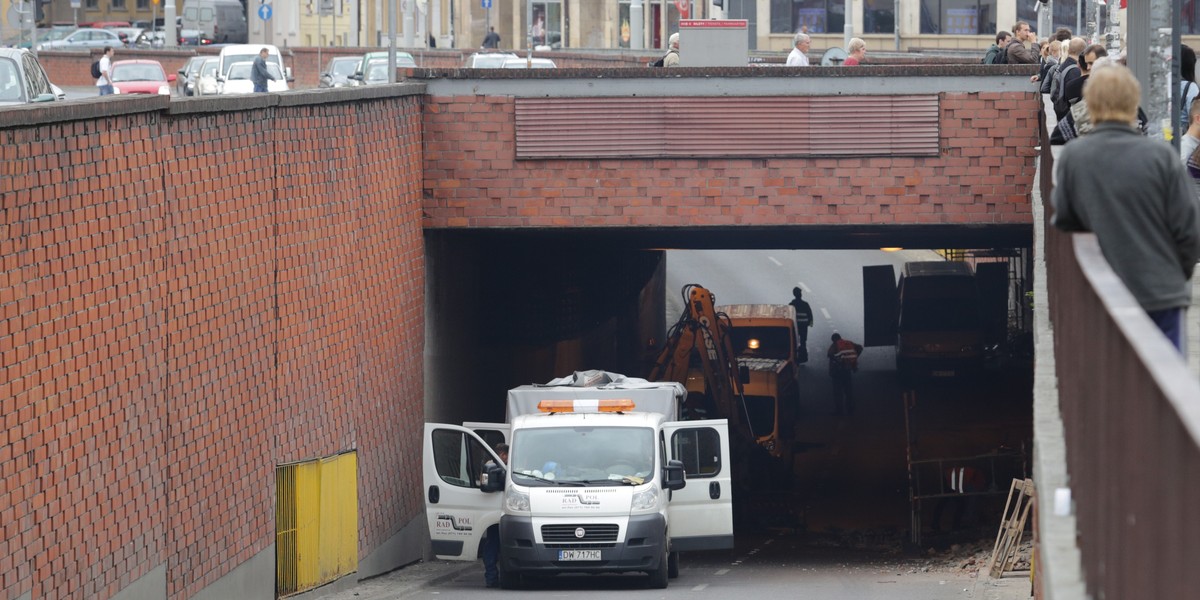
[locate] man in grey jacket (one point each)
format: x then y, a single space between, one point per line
1134 193
259 74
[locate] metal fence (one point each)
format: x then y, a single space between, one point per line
1131 415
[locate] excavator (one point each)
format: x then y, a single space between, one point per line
699 354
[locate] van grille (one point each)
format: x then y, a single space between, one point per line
604 532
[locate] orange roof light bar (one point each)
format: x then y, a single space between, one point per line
586 406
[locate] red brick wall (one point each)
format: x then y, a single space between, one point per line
983 175
187 300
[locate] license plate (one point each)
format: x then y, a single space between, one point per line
943 373
578 555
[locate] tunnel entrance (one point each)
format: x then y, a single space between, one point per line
507 308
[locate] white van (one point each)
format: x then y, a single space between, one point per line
595 482
237 53
223 21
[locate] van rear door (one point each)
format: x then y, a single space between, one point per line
457 511
700 516
880 306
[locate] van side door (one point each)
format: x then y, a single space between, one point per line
700 516
457 510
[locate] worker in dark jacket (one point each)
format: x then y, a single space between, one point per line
804 321
259 75
1134 193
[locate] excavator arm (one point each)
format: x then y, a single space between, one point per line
700 339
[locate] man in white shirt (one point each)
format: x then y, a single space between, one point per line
1191 138
105 81
798 58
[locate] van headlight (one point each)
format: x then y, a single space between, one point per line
645 500
516 501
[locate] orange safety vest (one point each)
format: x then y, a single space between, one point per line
845 354
965 479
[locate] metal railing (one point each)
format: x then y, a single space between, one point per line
1131 419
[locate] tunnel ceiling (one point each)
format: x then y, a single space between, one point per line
805 237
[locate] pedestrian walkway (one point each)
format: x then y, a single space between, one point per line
404 582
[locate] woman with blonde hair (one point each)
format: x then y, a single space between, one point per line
857 51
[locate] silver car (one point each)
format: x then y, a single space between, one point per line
84 39
487 60
22 79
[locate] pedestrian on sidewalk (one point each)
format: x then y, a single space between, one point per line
104 82
1134 193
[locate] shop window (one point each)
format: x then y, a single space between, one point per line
958 17
879 16
818 16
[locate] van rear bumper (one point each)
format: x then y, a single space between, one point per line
641 550
940 366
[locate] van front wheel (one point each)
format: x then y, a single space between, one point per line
673 565
658 577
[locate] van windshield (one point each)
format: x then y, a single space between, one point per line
589 455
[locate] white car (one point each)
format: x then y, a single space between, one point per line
522 63
237 80
206 79
487 60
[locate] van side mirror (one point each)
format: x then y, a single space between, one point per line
673 475
493 478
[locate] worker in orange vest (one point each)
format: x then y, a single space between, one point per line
961 485
843 362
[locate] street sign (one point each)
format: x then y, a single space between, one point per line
75 4
264 12
487 3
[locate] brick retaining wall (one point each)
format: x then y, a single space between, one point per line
190 295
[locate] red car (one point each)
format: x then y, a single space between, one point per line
141 77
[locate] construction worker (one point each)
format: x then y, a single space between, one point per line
961 483
843 362
804 320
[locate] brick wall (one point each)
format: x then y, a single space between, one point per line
189 296
982 176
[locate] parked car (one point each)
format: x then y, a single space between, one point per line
193 37
337 72
22 79
535 63
206 82
141 77
487 60
186 80
237 80
43 36
377 73
83 39
403 60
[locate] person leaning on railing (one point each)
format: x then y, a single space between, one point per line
1134 193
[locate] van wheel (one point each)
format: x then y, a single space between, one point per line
673 565
658 577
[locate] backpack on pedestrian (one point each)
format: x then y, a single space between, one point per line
96 70
1047 82
1001 57
1056 88
659 62
990 57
